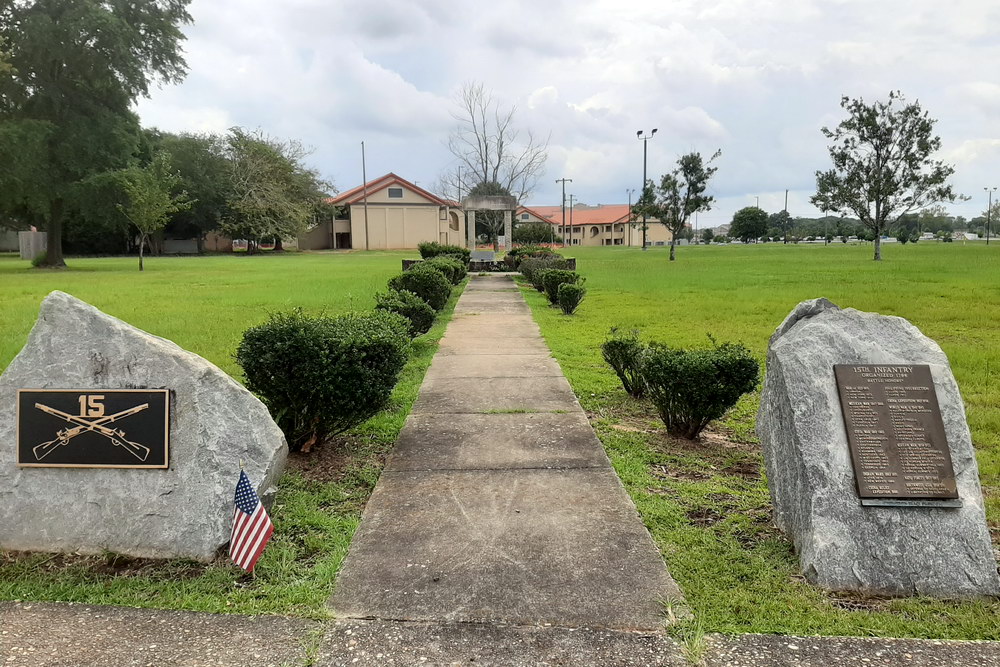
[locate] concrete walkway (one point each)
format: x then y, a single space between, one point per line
498 504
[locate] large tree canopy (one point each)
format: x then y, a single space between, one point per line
749 224
76 67
882 164
680 194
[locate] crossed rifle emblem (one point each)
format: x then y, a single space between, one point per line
95 425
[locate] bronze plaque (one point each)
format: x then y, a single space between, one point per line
93 428
895 431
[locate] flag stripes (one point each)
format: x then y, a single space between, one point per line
252 527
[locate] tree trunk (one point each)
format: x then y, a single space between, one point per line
277 245
142 246
53 248
673 244
878 247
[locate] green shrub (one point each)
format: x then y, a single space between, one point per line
624 352
427 282
690 388
538 279
530 265
570 295
515 256
452 268
409 305
554 278
320 376
40 259
430 249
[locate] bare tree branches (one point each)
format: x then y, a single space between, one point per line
490 148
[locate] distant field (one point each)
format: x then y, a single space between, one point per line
707 504
201 303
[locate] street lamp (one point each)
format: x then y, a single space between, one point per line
989 206
644 138
629 193
564 181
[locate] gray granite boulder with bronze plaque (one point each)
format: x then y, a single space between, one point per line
869 457
112 439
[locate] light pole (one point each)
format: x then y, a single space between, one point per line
989 206
644 138
364 181
629 193
564 181
757 197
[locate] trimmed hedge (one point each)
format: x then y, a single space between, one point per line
515 256
430 249
528 267
320 376
419 315
623 352
570 295
553 278
427 282
690 388
452 268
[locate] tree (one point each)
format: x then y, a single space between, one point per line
707 235
680 194
748 224
75 70
200 161
151 197
882 165
271 194
490 148
782 222
534 233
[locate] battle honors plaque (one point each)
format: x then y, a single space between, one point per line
896 434
93 428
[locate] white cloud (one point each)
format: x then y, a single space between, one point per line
756 78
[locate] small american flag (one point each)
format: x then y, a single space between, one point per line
252 527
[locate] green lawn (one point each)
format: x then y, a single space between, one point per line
707 504
204 304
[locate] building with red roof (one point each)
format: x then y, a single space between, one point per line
601 225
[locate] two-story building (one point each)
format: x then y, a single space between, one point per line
601 225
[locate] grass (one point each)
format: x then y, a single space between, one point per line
706 504
320 498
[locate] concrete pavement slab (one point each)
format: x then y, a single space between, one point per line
490 345
72 635
451 395
564 547
377 643
497 442
494 366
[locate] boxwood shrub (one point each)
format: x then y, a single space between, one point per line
529 266
623 352
427 282
553 278
417 312
570 295
320 376
690 388
430 249
452 268
515 256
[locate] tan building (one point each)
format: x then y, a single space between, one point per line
399 215
602 225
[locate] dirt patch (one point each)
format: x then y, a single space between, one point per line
330 461
704 516
859 603
685 474
746 468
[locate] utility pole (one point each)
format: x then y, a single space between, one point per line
644 138
364 180
571 198
629 193
785 219
696 227
757 204
564 181
989 206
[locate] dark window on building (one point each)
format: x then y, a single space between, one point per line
395 193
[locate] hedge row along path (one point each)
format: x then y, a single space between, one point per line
498 504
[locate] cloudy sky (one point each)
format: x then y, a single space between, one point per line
754 78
